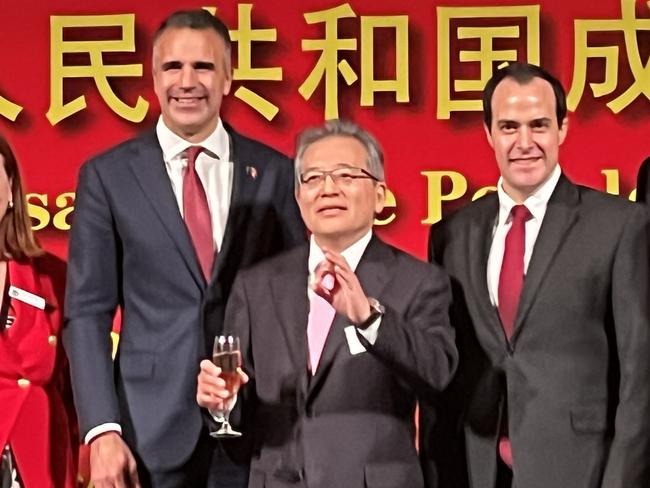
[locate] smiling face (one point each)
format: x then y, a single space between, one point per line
525 135
191 74
338 214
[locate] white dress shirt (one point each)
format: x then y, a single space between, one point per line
536 205
352 255
215 171
213 166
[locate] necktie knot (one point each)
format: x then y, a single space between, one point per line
327 280
520 213
192 153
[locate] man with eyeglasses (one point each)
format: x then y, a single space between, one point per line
339 338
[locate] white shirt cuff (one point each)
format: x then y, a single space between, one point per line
370 332
102 429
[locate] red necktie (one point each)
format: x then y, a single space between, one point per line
196 213
511 282
511 279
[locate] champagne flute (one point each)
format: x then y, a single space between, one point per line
227 356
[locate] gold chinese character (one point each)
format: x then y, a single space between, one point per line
486 55
328 64
244 36
8 109
629 25
400 85
96 69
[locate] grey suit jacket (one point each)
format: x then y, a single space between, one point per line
352 424
575 377
129 248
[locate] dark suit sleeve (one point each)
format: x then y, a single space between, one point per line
91 301
628 464
237 323
436 243
419 344
442 448
294 228
642 186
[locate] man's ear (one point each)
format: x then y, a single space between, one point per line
228 83
564 128
380 202
488 135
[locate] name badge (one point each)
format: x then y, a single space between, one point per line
354 344
27 297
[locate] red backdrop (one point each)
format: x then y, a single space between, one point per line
426 47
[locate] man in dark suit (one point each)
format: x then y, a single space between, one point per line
643 182
339 415
551 311
162 224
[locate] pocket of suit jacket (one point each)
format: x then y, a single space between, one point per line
589 419
136 364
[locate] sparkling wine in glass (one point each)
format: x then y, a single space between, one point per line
227 356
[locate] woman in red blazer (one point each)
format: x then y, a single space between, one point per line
37 423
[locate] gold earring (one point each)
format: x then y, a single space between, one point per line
11 204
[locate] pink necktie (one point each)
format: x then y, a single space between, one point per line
197 213
511 282
321 315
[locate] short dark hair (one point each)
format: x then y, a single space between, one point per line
195 19
523 73
17 240
343 128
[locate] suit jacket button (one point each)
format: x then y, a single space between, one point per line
51 340
23 383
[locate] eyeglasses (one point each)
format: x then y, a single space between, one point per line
345 175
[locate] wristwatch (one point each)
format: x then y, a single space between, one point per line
376 310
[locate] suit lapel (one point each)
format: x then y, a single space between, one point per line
245 184
293 311
561 214
149 169
374 271
480 237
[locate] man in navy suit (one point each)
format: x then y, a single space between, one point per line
163 223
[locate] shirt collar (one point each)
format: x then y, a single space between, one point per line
172 145
535 203
352 254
